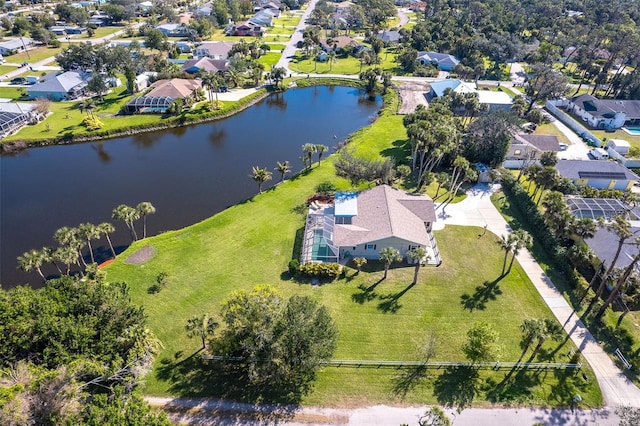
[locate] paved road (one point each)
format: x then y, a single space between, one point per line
216 412
290 49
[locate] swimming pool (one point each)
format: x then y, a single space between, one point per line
635 131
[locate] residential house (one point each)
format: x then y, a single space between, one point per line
273 7
492 100
391 37
61 30
263 18
183 46
361 224
608 114
605 244
526 149
193 66
205 9
214 50
246 29
16 45
68 85
597 174
418 6
162 95
14 115
174 30
443 61
338 43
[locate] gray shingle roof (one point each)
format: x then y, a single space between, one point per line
385 212
579 169
62 83
601 107
542 142
605 243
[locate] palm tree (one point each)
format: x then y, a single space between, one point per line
622 228
70 237
106 228
30 260
210 81
620 282
530 333
332 57
144 209
417 255
359 262
283 169
66 255
260 175
506 243
47 255
388 255
548 329
89 231
127 214
309 149
522 240
321 149
201 326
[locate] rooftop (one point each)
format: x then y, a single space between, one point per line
589 169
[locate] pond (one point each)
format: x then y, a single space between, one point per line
187 173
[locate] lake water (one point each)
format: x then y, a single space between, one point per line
187 173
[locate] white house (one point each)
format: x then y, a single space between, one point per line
443 61
16 45
493 100
597 174
360 224
609 114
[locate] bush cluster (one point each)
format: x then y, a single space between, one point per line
92 123
539 229
321 198
321 270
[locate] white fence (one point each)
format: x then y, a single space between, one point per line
552 107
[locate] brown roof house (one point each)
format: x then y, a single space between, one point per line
193 66
360 224
526 149
162 95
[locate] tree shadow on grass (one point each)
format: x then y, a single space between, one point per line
516 388
408 380
366 294
399 151
457 387
390 303
484 293
195 377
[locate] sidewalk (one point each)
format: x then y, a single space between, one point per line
477 210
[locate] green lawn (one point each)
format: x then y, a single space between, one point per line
34 55
550 129
288 19
6 68
275 47
618 134
349 65
101 32
270 58
252 242
279 30
11 92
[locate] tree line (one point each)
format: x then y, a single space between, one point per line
73 240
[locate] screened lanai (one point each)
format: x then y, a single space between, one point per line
593 208
10 121
149 104
317 244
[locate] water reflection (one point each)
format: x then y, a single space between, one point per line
44 189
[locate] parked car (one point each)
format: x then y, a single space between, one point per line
563 146
19 80
599 154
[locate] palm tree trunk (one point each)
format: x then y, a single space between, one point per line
82 258
386 269
618 287
41 274
132 228
621 317
605 277
536 349
110 245
415 274
90 250
513 257
57 267
504 261
144 226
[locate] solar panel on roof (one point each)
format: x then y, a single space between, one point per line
602 175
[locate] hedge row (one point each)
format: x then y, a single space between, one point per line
321 270
536 225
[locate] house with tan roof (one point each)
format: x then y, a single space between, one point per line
360 224
162 95
213 50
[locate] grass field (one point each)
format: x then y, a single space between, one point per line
280 30
618 134
349 65
288 19
270 58
34 55
550 129
251 243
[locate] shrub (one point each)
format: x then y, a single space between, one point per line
326 188
321 270
294 266
92 123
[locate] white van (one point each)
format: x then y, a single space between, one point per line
599 154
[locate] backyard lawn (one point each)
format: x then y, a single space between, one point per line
34 55
270 58
350 65
279 30
288 19
251 243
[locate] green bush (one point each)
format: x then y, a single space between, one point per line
321 270
326 188
294 266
